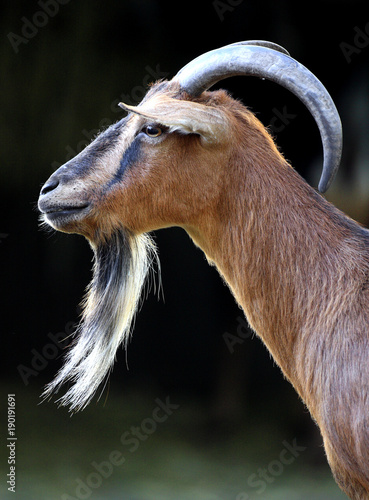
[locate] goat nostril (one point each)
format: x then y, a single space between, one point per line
49 186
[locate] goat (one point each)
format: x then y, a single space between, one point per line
299 268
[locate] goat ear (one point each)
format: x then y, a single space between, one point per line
185 117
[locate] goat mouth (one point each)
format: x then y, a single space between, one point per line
59 215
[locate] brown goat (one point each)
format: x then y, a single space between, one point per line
297 265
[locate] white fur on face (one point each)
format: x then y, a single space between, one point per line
120 268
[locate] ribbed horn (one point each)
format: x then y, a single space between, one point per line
270 61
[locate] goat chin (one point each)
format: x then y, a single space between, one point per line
121 264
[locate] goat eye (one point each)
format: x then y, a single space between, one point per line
152 131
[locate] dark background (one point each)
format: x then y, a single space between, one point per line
57 90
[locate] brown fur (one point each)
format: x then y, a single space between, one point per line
299 268
297 265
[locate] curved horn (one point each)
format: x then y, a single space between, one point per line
270 61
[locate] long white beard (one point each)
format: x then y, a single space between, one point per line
121 265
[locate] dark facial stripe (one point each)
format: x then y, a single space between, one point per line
130 156
108 138
81 164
